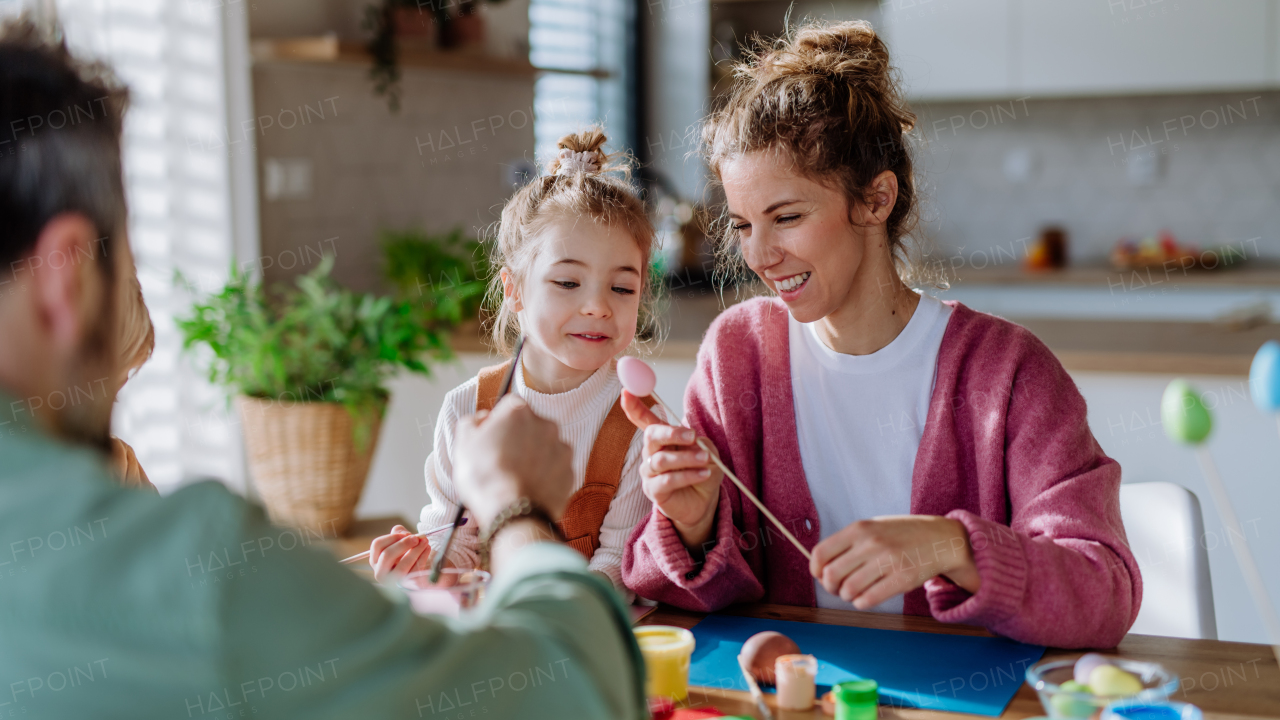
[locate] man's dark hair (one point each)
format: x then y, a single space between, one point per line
60 125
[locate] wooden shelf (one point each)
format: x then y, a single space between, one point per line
329 49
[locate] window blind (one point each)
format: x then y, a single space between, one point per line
172 58
586 47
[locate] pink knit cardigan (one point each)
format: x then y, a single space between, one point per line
1006 450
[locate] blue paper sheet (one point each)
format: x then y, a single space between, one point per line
956 673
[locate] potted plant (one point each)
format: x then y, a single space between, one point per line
308 366
445 271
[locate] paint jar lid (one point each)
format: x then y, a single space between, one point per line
857 692
1147 710
661 641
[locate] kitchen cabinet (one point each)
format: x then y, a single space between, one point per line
1273 54
954 49
1115 46
969 49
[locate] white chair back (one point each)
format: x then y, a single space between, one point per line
1166 531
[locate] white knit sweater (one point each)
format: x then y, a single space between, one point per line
580 413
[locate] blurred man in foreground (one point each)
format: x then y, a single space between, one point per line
119 603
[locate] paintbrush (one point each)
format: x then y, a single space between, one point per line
438 564
756 693
361 556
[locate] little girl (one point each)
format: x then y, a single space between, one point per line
137 341
573 248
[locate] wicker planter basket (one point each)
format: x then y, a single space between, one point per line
304 461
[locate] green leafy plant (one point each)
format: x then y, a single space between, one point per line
314 342
444 273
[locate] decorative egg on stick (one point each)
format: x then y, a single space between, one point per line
1264 378
1187 421
639 380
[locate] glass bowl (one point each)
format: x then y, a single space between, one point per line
1046 677
457 590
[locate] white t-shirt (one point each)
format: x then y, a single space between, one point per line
859 419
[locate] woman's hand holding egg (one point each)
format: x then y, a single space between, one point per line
678 475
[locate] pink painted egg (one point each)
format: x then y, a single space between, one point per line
636 376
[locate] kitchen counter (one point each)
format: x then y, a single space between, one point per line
1085 345
1253 274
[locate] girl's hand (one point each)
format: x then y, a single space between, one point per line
870 561
678 475
399 551
126 465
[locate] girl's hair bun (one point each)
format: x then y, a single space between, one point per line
580 152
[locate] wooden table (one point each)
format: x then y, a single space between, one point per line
1227 680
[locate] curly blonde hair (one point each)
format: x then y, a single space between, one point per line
578 186
137 334
825 95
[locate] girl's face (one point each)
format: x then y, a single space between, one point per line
796 234
579 303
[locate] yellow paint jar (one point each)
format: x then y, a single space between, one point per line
667 651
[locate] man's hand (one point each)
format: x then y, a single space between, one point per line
507 454
870 561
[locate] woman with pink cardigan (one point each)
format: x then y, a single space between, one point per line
934 459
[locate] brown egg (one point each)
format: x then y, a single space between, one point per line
761 650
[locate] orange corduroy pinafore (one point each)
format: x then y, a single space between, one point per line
587 508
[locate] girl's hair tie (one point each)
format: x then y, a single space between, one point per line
574 162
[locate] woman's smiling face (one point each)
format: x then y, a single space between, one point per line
795 233
579 303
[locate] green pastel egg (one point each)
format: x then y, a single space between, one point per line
1073 686
1186 419
1111 681
1064 705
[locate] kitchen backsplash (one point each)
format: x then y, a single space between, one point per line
1206 167
336 165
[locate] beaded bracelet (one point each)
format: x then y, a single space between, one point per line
521 508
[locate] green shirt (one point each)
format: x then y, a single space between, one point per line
119 603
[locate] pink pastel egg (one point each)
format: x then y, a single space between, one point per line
1086 665
636 376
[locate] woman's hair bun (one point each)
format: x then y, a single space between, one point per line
850 51
583 150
